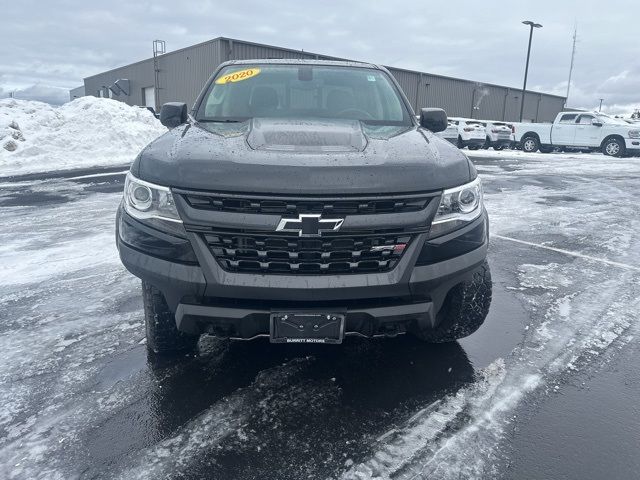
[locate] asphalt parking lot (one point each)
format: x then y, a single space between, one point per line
548 388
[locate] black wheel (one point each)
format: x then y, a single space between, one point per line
160 325
498 147
464 309
530 144
459 144
474 147
614 147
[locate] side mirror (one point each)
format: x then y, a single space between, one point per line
434 119
173 114
596 123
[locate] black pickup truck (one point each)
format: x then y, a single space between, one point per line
304 202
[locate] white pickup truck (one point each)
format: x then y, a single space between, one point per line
581 130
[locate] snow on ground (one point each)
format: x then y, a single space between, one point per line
89 131
579 307
67 302
559 163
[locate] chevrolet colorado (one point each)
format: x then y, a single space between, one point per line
303 201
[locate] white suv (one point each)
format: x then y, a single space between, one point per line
451 133
498 135
471 133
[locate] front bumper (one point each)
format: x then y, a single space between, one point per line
633 145
207 299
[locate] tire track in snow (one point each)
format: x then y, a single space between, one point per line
458 436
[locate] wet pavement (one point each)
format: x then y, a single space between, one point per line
547 388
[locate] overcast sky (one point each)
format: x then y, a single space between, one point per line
47 47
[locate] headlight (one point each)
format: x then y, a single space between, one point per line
144 200
458 206
634 133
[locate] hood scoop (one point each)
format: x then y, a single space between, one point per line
316 136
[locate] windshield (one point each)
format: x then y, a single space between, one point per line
607 119
303 91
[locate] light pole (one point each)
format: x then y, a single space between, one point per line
532 25
600 107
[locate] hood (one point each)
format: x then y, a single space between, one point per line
318 157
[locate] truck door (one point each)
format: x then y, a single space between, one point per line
564 131
587 135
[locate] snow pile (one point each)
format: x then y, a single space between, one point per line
89 131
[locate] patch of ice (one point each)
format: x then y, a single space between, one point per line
546 276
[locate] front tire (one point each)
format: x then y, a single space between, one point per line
498 147
530 144
614 147
163 337
464 309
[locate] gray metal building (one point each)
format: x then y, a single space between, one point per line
179 76
76 92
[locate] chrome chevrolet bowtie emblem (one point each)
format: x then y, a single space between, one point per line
309 225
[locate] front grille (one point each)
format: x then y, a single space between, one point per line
290 254
293 206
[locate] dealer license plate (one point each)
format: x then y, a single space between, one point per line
307 327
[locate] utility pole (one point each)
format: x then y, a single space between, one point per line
600 107
532 25
573 55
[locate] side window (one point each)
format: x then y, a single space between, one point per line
214 101
585 119
568 118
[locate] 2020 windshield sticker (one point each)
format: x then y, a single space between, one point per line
238 76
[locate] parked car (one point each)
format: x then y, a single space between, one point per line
302 201
498 134
471 133
581 130
450 133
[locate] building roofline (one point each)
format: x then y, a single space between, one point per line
447 77
228 39
320 57
294 61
